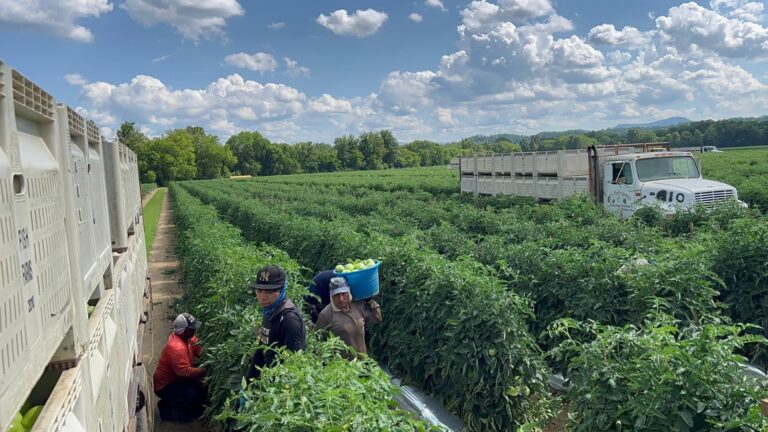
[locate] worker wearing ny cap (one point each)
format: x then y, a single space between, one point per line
346 318
281 324
177 382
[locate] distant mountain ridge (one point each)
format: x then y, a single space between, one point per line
484 139
672 121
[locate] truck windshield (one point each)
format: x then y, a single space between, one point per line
671 167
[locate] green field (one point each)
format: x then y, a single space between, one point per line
484 297
151 217
746 169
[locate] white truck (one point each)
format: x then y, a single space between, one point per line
623 177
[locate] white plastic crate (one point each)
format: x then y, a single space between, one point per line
468 165
65 409
51 256
525 186
575 185
547 187
485 185
504 185
524 162
98 196
574 163
34 297
118 225
498 164
468 184
506 164
485 164
547 162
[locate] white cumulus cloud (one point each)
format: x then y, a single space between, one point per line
361 23
328 104
445 117
194 20
691 27
52 16
627 36
259 62
740 9
435 4
415 17
75 80
526 9
293 68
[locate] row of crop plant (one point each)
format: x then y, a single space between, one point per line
449 327
604 281
313 390
571 251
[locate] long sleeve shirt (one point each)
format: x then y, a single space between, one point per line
350 326
284 328
176 361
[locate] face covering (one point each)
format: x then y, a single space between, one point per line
267 311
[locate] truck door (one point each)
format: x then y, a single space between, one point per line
620 184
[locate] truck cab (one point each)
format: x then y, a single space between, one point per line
669 180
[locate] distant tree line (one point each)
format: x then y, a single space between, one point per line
720 133
187 154
190 153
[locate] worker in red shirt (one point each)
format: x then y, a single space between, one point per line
178 383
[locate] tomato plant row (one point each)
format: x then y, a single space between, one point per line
450 326
216 265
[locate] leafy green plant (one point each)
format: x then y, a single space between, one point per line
741 260
449 327
659 376
319 390
216 265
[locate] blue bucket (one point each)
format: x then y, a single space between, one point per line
362 283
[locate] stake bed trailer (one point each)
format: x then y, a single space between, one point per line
623 177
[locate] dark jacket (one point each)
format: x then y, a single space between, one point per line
319 287
284 328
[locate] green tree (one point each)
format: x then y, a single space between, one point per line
348 153
279 159
430 153
130 136
315 157
391 148
171 157
213 159
407 159
503 145
371 146
250 150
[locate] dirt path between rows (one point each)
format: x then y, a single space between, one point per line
164 273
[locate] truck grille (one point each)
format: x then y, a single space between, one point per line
713 196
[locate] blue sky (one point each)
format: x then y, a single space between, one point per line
308 70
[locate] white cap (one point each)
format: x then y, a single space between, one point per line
338 285
185 320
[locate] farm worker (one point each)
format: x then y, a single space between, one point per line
176 381
281 325
318 288
346 318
